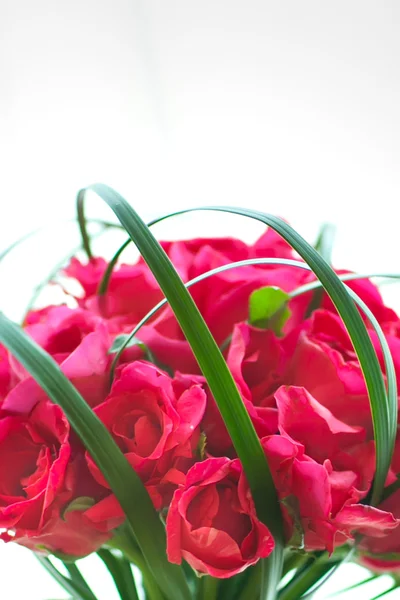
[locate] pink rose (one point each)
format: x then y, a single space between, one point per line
320 504
87 367
131 293
34 452
212 523
324 362
322 469
155 421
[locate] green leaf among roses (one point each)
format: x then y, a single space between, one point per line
124 341
268 309
82 503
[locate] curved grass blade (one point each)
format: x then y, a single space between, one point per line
77 577
212 364
80 210
383 415
77 591
27 236
325 241
121 572
323 245
110 267
354 586
42 284
141 516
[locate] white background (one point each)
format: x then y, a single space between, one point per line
291 107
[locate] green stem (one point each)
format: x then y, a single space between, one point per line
77 577
271 573
126 544
251 590
80 203
207 588
76 590
121 572
294 560
306 578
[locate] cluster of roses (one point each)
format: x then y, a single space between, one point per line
303 389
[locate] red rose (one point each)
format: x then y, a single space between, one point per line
73 536
320 505
59 329
305 420
87 367
322 469
131 293
212 522
174 353
324 362
70 531
256 361
384 554
7 377
34 454
155 421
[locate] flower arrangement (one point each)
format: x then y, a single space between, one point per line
235 441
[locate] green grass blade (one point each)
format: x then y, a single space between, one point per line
121 572
77 577
323 245
80 211
325 241
126 485
211 362
78 592
110 267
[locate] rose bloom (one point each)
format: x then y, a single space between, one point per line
212 522
34 452
155 421
383 554
322 469
223 300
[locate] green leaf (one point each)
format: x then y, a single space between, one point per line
292 506
268 309
354 586
82 503
124 341
381 594
82 223
126 485
325 241
211 362
103 286
121 572
77 591
77 578
324 246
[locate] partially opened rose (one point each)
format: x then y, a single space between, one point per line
34 454
322 469
155 421
212 523
322 360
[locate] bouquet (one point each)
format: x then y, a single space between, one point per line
221 416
